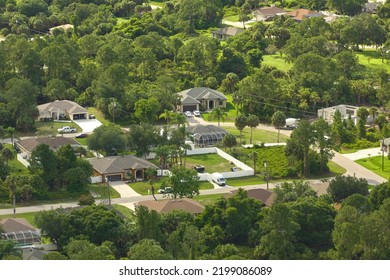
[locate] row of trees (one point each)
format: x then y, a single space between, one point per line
299 225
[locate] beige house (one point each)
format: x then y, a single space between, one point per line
226 32
28 145
201 99
62 27
62 109
119 168
268 13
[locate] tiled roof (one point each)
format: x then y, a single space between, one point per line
166 206
16 225
301 14
29 144
265 196
118 164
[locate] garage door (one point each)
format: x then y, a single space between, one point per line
79 116
114 178
189 108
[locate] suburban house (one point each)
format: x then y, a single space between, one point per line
60 110
268 13
371 7
169 205
385 145
201 99
62 27
21 231
345 110
301 14
266 197
28 145
226 32
206 135
119 168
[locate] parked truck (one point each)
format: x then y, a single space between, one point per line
66 129
291 123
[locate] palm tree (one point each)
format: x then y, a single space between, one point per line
12 182
10 132
252 122
240 122
218 114
167 115
179 119
278 120
374 112
162 152
254 156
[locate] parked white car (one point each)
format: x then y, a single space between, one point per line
196 113
187 114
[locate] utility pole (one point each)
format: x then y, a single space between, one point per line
383 153
266 173
108 190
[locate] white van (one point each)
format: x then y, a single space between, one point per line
218 179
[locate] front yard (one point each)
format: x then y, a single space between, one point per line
375 165
211 162
51 128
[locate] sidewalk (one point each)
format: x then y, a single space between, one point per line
364 153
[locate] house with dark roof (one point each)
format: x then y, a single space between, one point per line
169 205
267 13
19 230
301 14
206 135
62 109
120 168
266 197
28 145
201 98
226 32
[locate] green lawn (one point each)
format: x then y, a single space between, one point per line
211 162
99 115
208 199
82 141
15 166
375 164
143 186
28 216
371 59
155 3
101 191
128 213
259 135
51 128
336 169
234 18
275 60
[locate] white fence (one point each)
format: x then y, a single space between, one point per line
96 179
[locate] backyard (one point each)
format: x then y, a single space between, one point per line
375 165
211 162
259 135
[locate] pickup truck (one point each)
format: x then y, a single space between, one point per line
66 129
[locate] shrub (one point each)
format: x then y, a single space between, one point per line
86 199
342 187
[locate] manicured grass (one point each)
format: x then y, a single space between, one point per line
234 18
336 169
246 181
143 186
371 59
101 191
99 115
128 213
15 166
28 216
82 141
375 164
154 3
259 135
51 128
208 199
275 60
211 162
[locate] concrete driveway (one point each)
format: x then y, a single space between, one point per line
88 125
364 154
124 189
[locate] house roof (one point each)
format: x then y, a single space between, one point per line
204 129
63 26
29 144
265 196
200 93
118 164
230 31
16 225
166 206
188 100
70 106
371 6
269 11
301 14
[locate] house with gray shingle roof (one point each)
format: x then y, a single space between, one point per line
201 99
206 135
226 32
62 109
28 145
119 168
